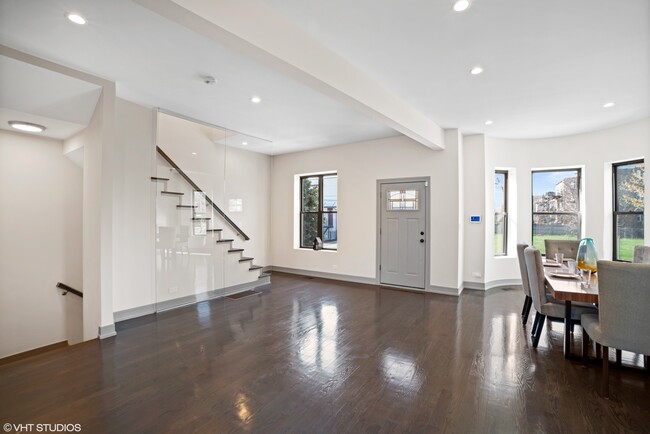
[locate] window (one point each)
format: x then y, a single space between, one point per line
556 206
402 200
500 213
628 208
318 208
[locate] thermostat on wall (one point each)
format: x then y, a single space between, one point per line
475 219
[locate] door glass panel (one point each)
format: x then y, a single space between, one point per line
402 200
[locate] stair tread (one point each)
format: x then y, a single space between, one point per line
263 275
201 218
214 230
246 259
157 178
255 267
235 250
186 206
175 193
224 241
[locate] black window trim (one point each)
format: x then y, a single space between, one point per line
578 170
505 212
320 212
616 213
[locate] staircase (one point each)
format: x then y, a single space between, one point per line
206 219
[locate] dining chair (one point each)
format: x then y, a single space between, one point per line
641 255
528 302
568 247
621 322
545 305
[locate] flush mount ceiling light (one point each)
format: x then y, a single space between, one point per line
27 126
461 5
244 143
609 104
76 18
488 122
256 100
476 70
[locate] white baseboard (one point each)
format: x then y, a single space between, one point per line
493 284
106 331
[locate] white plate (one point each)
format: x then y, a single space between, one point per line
565 275
552 264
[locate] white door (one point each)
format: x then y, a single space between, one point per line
403 234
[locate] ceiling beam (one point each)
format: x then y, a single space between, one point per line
253 28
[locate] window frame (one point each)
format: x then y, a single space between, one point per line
320 212
615 212
505 213
578 213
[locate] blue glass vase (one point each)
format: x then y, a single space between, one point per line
587 255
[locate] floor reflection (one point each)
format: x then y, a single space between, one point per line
318 331
400 371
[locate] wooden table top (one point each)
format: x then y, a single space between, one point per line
569 289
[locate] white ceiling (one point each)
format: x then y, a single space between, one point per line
549 66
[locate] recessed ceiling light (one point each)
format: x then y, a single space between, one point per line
256 100
27 126
476 70
488 122
609 104
76 18
244 143
461 5
193 153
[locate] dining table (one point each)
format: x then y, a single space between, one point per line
569 289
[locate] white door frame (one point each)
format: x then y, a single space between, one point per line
427 232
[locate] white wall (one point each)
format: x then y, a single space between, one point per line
40 233
97 141
133 218
594 151
474 199
359 166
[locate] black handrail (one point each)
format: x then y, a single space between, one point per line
196 187
67 289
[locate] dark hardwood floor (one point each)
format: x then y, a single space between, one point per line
310 355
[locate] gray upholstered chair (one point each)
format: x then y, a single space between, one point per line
544 304
568 247
641 255
525 311
621 323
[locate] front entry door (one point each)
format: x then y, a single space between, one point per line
403 234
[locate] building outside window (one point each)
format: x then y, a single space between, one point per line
318 210
628 179
500 213
556 206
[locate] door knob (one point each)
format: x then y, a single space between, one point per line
421 240
422 233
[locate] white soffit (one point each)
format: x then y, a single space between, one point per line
63 104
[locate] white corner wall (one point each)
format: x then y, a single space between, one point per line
595 152
40 229
474 198
134 207
359 166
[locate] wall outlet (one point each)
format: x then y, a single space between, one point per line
173 289
476 274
